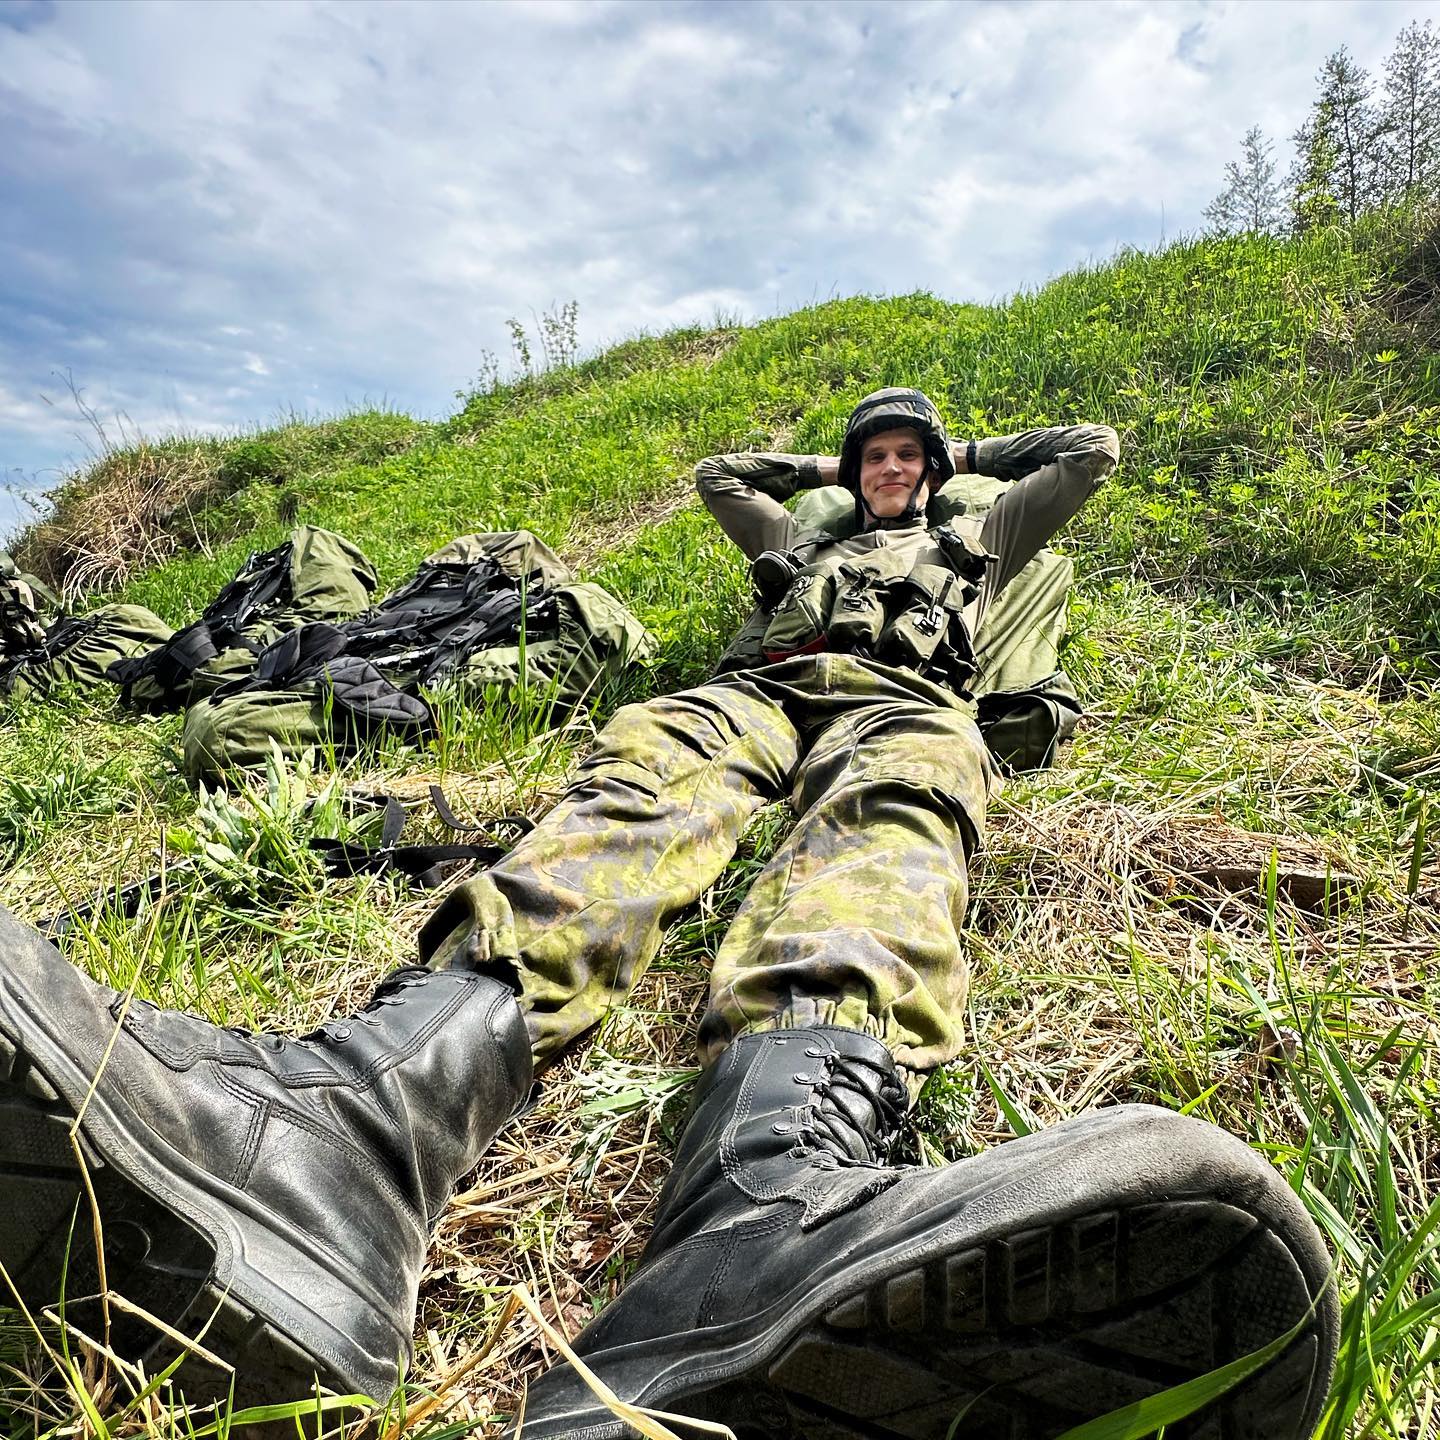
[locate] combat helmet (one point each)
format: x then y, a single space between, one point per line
893 409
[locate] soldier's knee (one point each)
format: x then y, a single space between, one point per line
673 736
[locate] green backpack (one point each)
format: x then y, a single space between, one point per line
316 575
1026 705
491 610
37 653
82 648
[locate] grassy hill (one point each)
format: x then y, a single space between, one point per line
1224 899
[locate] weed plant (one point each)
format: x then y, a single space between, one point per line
1225 898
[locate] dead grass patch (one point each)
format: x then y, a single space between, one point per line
115 521
603 534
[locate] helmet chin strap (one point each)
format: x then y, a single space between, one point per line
913 507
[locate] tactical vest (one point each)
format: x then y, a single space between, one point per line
901 606
1025 703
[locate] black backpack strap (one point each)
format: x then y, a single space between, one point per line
421 863
171 666
301 654
494 620
520 824
262 578
424 864
66 633
127 899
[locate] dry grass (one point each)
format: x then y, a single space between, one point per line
119 521
603 534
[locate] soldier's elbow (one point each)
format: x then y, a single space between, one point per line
707 475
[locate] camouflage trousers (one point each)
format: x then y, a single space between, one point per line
855 920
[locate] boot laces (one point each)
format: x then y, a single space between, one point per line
388 992
336 1031
854 1113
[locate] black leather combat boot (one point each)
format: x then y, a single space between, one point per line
797 1285
285 1188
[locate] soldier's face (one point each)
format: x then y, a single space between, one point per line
892 464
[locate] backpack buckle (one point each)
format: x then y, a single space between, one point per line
931 621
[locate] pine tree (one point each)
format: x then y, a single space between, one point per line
1337 167
1410 113
1313 202
1250 200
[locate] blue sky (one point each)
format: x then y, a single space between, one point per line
215 214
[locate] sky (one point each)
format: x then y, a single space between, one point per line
215 215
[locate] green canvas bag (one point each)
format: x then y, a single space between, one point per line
315 575
364 679
82 648
596 638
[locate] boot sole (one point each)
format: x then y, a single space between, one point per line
1018 1338
1029 1336
177 1243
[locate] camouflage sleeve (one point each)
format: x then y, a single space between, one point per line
743 493
1056 470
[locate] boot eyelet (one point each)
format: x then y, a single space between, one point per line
802 1079
340 1032
814 1052
781 1128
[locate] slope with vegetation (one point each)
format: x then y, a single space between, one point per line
1224 899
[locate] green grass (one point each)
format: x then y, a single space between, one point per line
1257 639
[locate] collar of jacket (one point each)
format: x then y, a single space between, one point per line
899 522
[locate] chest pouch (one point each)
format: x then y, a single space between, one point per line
967 556
931 598
866 593
799 623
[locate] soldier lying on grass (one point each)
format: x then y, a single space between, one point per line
796 1283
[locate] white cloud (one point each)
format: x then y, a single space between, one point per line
22 414
249 205
47 71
